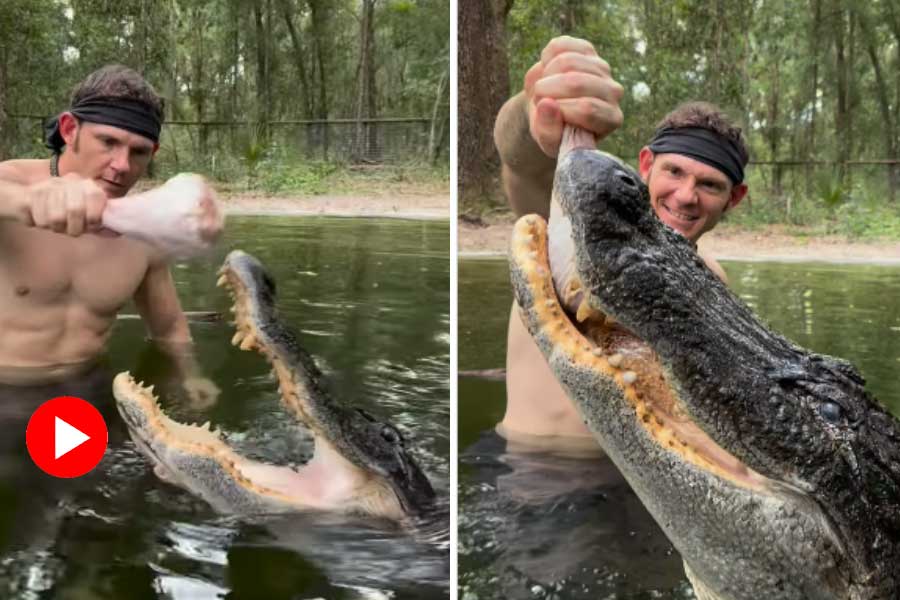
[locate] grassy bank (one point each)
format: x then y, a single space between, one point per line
311 178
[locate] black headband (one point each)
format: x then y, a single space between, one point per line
125 113
701 144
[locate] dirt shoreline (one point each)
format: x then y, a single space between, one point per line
396 206
773 243
490 238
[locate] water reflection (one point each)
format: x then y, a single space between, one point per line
544 525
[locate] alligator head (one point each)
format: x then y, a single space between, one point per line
359 464
770 468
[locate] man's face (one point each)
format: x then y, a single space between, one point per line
112 157
689 196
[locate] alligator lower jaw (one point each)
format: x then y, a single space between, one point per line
195 458
596 344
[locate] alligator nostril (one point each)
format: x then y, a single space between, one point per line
625 178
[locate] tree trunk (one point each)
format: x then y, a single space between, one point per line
840 107
434 132
570 15
317 14
234 6
773 130
483 88
198 85
262 103
365 143
299 59
888 116
811 153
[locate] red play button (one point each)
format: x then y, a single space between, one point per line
66 437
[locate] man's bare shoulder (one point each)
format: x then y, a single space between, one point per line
714 266
25 171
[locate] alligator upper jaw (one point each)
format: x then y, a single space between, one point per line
354 436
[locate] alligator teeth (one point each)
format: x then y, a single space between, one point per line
584 311
597 352
221 281
205 426
615 360
629 376
238 337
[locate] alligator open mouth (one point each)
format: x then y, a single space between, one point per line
592 340
359 464
762 462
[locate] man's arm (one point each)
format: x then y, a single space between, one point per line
158 304
570 84
526 171
68 204
13 197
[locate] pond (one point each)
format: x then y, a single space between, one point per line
370 301
548 525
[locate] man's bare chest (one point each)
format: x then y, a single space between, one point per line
40 268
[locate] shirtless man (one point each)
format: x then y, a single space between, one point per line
572 84
63 278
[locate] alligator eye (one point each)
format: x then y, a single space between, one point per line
830 411
391 435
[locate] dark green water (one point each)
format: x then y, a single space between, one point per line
370 300
538 525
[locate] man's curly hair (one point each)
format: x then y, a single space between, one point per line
118 81
707 116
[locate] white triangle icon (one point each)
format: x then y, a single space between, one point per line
66 438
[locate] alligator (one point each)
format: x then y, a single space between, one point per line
770 468
360 464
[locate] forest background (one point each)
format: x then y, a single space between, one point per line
814 83
272 95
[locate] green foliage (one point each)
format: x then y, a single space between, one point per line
306 178
831 192
866 218
211 62
859 211
758 61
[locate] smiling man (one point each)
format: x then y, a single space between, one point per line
693 167
63 277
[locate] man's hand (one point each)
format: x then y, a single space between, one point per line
68 204
571 84
201 391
